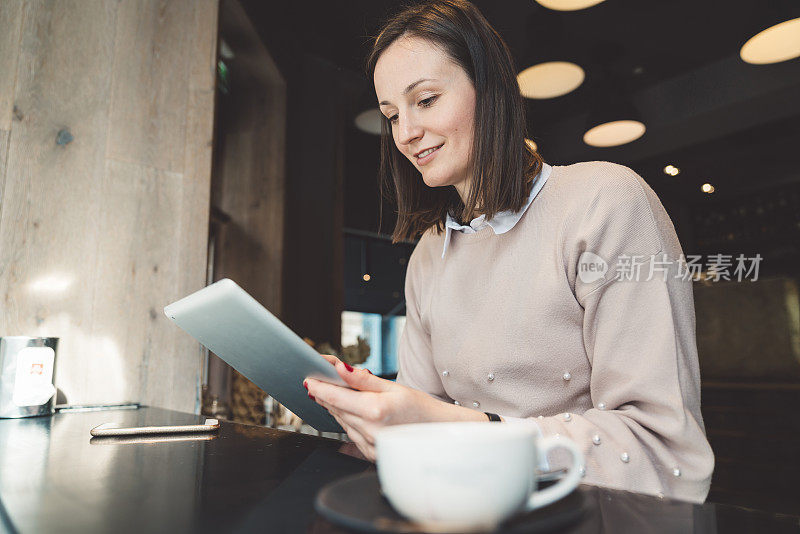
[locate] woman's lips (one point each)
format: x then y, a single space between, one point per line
425 159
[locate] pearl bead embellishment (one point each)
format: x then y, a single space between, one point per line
596 439
601 406
567 417
476 404
567 376
445 373
457 403
490 377
582 470
624 457
676 471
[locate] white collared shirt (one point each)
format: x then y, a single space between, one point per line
503 221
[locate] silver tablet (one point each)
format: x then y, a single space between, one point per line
234 326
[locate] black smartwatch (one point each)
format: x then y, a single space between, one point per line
493 417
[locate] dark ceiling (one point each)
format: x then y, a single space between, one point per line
706 111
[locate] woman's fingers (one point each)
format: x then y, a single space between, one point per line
363 444
361 440
356 436
344 425
351 423
363 428
368 451
362 379
351 449
364 404
333 360
357 429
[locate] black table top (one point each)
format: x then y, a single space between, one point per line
54 478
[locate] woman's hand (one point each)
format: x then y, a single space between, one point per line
374 403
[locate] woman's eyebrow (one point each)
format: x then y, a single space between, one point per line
408 89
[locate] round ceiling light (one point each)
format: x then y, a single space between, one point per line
370 121
707 188
568 5
672 170
549 80
773 45
614 133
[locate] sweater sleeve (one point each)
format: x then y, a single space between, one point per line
644 432
415 367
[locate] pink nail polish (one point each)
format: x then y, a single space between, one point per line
370 372
348 367
310 396
305 385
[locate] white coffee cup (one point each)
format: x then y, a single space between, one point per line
468 476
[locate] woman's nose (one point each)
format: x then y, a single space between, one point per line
408 131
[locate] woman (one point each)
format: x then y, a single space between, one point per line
521 311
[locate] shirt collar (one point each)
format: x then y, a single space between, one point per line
503 221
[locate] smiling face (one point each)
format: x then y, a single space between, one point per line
430 101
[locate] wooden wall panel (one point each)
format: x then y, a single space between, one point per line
104 200
250 190
273 215
151 68
48 233
249 187
4 135
11 23
199 145
249 176
196 188
135 276
3 159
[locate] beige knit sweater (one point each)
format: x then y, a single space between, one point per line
507 324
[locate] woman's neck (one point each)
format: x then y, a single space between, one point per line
462 188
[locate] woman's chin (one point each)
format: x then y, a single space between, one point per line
435 181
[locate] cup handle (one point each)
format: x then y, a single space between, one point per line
567 483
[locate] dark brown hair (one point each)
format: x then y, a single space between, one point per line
502 164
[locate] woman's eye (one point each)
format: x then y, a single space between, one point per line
427 102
